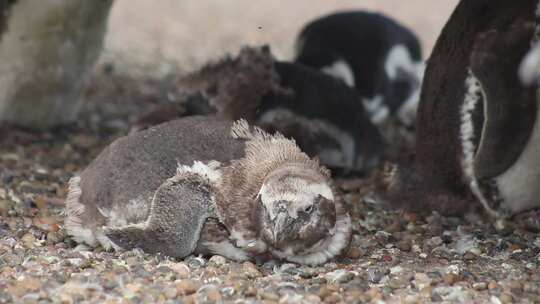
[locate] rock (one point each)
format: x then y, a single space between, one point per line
84 141
312 299
187 287
182 270
506 298
374 294
250 270
80 263
47 223
434 241
492 285
208 294
515 286
400 281
27 285
269 296
170 293
217 260
469 256
404 245
375 274
327 290
195 262
479 286
421 280
5 207
333 298
450 278
354 253
29 240
339 276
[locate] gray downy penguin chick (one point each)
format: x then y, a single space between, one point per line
207 186
370 52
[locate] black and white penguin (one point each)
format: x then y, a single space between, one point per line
478 129
376 55
500 125
325 116
204 185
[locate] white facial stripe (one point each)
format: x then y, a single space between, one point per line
399 58
407 112
377 110
340 70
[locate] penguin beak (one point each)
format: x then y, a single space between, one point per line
282 226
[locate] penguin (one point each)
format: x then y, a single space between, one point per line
496 137
205 185
323 115
500 129
370 52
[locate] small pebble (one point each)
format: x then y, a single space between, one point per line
187 287
28 240
250 270
469 256
339 276
217 260
450 278
492 285
354 253
182 270
404 245
479 285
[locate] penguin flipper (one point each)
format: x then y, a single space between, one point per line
179 210
509 109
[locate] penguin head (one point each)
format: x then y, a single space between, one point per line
297 208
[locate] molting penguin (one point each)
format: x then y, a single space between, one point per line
379 57
204 185
322 114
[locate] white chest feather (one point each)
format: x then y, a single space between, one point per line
519 185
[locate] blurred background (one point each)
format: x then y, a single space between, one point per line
158 37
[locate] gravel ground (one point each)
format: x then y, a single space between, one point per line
395 257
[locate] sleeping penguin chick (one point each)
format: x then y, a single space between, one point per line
368 51
202 185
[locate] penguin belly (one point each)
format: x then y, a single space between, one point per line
519 186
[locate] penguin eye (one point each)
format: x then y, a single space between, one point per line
308 209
